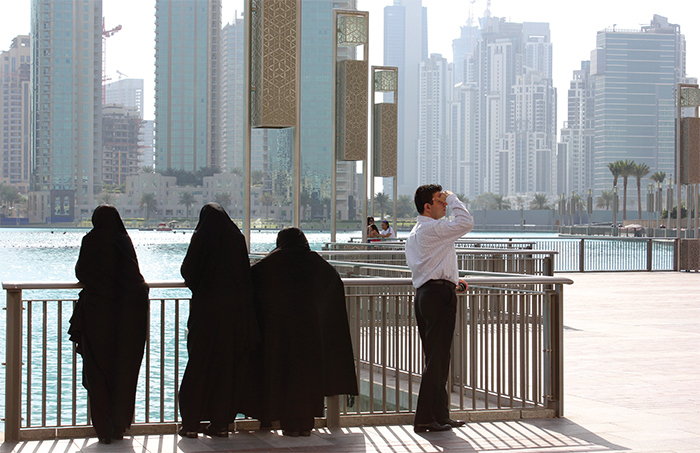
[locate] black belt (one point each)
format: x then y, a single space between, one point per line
440 282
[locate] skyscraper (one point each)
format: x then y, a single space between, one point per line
636 72
516 136
66 108
578 135
14 115
437 162
121 128
405 46
232 94
187 84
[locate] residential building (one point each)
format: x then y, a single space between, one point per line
436 156
405 47
14 115
147 157
121 127
187 89
578 134
635 74
66 109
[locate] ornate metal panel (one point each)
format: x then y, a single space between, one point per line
386 81
690 97
690 151
274 62
353 30
385 139
351 110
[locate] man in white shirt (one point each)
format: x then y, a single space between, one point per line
431 255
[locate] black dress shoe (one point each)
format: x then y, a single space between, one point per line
434 426
305 433
452 423
188 434
215 432
105 440
290 433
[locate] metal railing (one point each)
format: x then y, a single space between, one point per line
573 254
507 355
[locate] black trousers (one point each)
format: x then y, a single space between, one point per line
436 309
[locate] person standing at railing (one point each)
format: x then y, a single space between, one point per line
222 327
110 322
431 256
306 351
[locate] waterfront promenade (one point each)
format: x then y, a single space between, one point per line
632 384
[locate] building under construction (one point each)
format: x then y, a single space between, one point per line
121 127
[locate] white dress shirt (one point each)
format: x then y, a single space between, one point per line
430 247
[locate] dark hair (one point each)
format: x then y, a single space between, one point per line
424 194
374 227
385 221
370 219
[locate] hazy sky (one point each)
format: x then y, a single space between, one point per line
573 28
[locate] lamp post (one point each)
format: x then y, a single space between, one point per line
650 205
614 209
659 202
572 209
589 208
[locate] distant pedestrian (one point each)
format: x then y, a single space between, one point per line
110 322
306 351
222 326
387 232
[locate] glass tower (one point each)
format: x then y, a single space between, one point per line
636 73
66 107
187 84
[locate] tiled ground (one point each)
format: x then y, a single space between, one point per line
632 384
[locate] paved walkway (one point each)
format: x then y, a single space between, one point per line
632 384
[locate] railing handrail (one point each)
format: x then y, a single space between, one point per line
348 281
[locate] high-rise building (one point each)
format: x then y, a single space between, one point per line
462 52
578 135
516 137
232 95
405 46
438 164
636 72
66 108
147 158
121 127
126 92
14 115
187 84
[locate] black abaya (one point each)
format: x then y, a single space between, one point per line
306 351
221 326
110 321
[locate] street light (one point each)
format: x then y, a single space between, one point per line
614 208
589 208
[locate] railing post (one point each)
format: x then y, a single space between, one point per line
555 399
13 365
582 255
650 255
333 411
676 254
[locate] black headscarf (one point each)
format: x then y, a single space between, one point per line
222 326
110 321
306 351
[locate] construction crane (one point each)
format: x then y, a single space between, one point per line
106 34
121 74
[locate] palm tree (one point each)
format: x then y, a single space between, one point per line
148 201
187 199
267 199
147 169
10 196
604 200
383 201
626 170
256 177
405 207
106 198
500 204
616 171
484 201
237 171
223 198
640 171
540 201
464 199
659 177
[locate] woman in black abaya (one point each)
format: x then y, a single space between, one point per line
221 327
306 350
110 322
